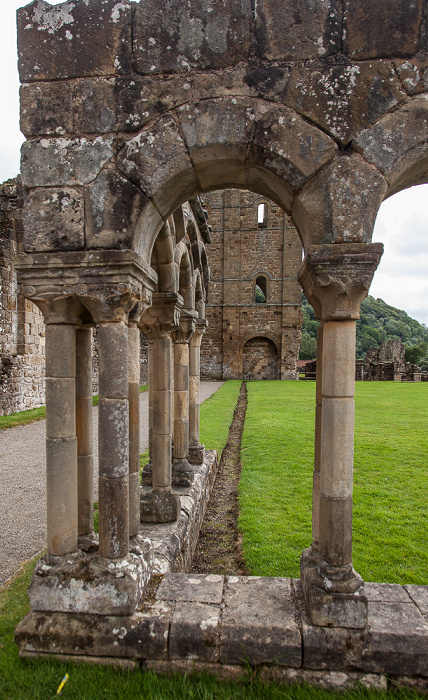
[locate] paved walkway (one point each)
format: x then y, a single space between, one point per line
23 489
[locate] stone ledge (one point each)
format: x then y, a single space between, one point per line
230 625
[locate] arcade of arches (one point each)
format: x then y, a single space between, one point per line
319 107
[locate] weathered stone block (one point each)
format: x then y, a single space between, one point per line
343 99
46 108
419 595
86 583
159 505
63 161
341 205
396 145
258 623
53 220
413 75
74 39
298 29
195 631
396 638
204 35
113 205
217 134
382 29
144 635
197 588
157 161
289 147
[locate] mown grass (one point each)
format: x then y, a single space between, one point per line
390 485
291 432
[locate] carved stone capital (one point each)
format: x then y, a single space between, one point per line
185 329
336 278
107 284
163 316
201 325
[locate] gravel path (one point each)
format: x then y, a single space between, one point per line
23 490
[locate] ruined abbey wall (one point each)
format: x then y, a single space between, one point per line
22 343
246 339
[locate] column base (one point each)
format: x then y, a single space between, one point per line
334 595
146 474
182 473
84 582
196 454
159 505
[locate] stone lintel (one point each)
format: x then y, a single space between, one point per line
87 583
336 278
108 284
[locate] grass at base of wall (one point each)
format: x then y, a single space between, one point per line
33 414
22 679
390 484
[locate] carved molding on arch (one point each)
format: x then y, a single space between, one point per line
336 278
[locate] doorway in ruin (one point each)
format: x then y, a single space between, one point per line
260 359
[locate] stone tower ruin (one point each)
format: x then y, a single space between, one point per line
254 297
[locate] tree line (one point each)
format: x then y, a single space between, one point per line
378 322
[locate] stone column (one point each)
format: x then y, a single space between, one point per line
182 472
134 426
310 556
335 279
61 440
113 435
160 504
84 430
196 450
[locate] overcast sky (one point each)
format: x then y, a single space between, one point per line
402 222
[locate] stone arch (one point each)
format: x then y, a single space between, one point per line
162 259
260 359
242 143
185 278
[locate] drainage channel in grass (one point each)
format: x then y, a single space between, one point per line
219 546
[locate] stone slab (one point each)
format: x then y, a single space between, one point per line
142 635
419 595
196 588
396 638
386 593
195 631
259 623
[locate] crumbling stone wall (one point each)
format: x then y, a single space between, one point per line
22 382
247 339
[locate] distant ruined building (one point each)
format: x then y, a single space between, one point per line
254 298
384 364
248 336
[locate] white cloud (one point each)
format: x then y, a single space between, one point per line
402 277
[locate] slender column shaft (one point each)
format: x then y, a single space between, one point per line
134 427
61 440
162 410
317 451
194 386
113 440
181 399
84 429
337 442
150 380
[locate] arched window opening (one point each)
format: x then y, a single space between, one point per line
262 215
261 290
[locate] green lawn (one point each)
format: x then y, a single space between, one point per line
275 499
391 488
